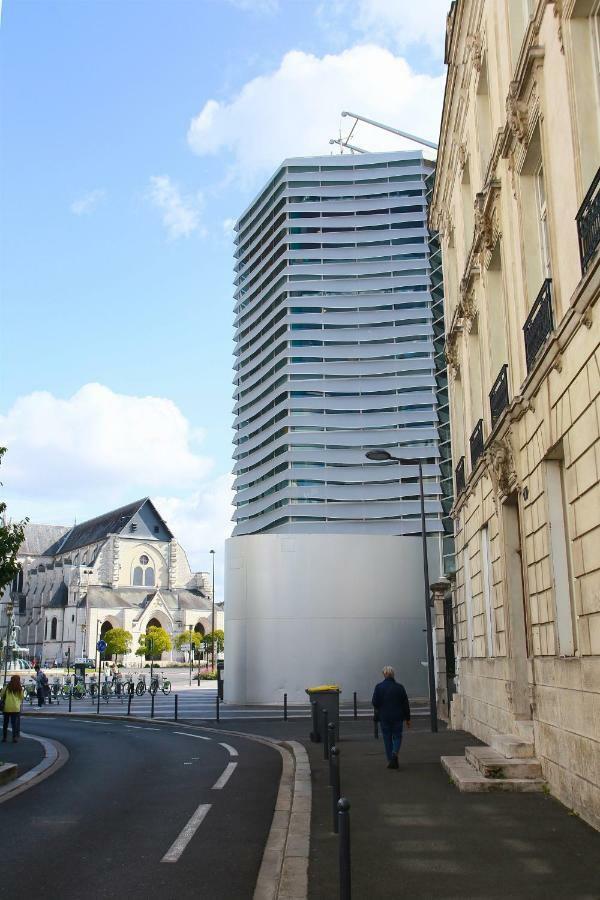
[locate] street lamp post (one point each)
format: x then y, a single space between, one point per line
212 553
191 654
384 456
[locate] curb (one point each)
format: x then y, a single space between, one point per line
55 756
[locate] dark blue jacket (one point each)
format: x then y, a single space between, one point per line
391 701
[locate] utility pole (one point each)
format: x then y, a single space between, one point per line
9 627
213 609
191 651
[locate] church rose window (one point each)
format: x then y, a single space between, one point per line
144 559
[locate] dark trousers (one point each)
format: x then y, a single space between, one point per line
391 733
40 696
15 724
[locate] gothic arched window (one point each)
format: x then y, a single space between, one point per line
53 629
143 573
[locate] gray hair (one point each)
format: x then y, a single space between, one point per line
388 672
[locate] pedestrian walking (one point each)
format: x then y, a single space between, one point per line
41 685
392 710
12 698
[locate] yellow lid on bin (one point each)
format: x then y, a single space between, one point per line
324 688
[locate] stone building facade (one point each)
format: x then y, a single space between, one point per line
123 569
517 205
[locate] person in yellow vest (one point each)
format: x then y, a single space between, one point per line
12 698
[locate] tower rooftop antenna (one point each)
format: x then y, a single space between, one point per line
404 134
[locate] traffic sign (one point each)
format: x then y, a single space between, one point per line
185 647
101 646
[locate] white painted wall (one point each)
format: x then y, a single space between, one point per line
315 609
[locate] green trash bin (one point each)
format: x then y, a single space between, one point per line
325 696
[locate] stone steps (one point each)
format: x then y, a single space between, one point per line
470 780
511 746
493 765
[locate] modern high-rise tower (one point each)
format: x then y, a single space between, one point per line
335 355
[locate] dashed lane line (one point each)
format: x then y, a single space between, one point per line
187 833
232 750
200 737
227 773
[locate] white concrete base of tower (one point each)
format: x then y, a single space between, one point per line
316 609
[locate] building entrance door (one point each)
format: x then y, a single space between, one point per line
517 649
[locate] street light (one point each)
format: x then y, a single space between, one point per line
384 456
191 645
212 553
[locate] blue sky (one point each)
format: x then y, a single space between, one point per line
133 133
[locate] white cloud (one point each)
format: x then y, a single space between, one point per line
98 445
88 202
396 24
294 110
202 521
181 215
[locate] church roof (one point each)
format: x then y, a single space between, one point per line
40 540
98 529
107 598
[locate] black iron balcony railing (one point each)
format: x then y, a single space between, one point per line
539 323
460 475
499 394
476 443
588 223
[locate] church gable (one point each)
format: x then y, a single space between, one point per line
146 523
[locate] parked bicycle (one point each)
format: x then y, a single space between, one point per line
159 682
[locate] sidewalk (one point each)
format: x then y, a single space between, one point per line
415 835
26 753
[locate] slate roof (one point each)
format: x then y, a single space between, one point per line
41 539
103 597
99 528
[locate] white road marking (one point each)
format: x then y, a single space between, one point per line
187 833
135 726
222 781
187 763
151 729
232 750
199 736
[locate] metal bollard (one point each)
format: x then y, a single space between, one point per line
344 849
314 735
70 698
375 728
129 702
285 707
152 706
334 783
176 706
355 706
218 709
325 735
330 736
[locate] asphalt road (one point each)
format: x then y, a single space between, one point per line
141 811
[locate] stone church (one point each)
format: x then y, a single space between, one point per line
123 569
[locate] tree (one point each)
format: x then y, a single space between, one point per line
12 535
154 643
219 639
118 641
184 638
